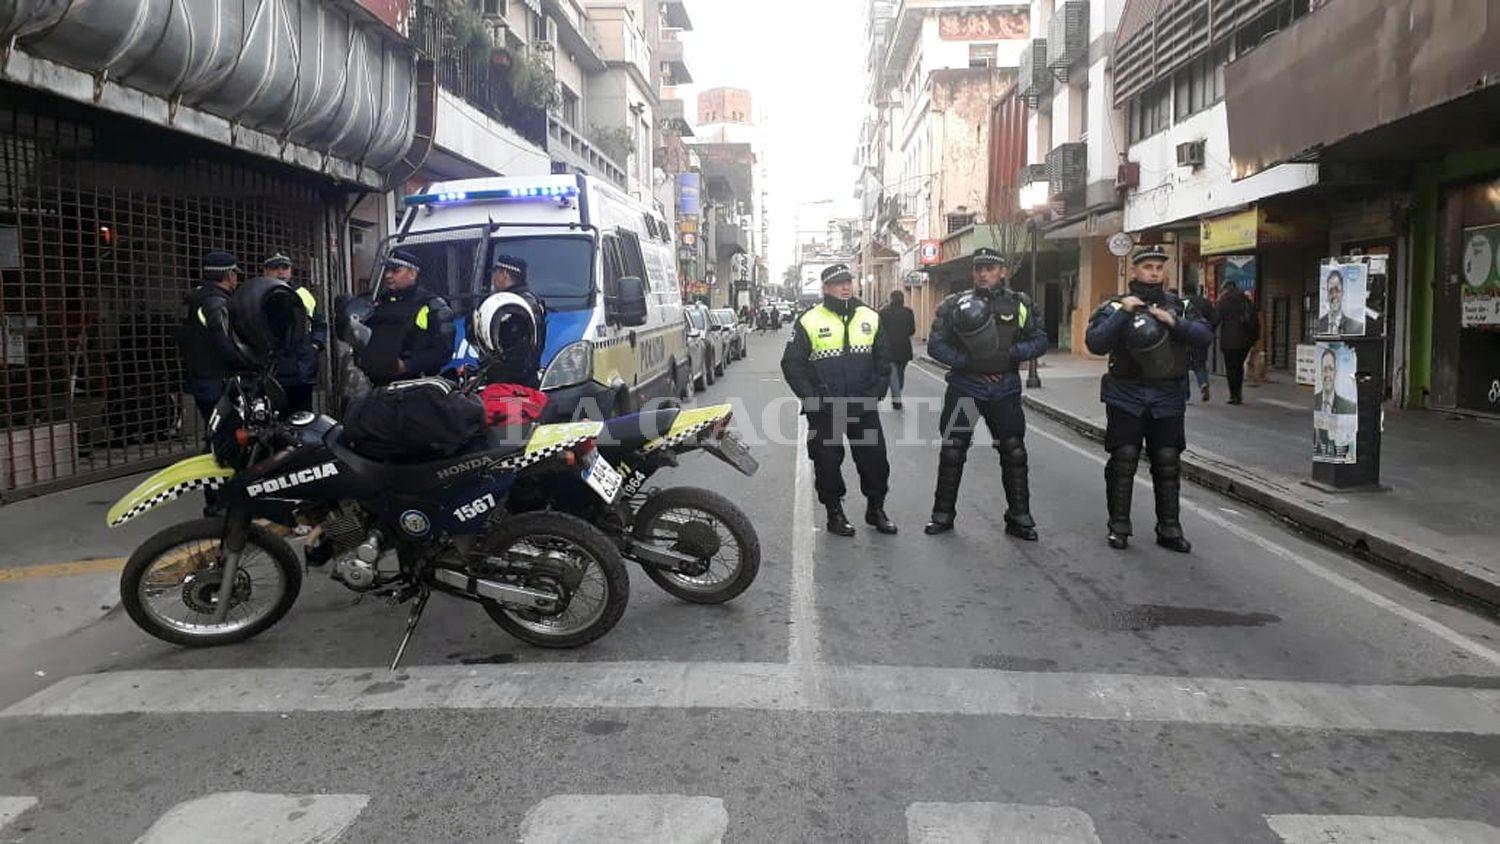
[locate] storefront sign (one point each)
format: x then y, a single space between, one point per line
916 278
1230 233
1481 274
929 252
689 194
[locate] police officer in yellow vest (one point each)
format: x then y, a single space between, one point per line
411 328
838 365
297 368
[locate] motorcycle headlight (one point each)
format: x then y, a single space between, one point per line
573 365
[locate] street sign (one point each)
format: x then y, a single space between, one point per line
928 252
1120 244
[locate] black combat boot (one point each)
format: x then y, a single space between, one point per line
876 518
838 523
1119 484
1018 521
1166 482
945 500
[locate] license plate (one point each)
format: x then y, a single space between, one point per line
732 450
602 478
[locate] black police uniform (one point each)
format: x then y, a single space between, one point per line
837 363
521 365
983 336
209 353
413 325
297 368
1145 392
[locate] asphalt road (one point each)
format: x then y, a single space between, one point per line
969 687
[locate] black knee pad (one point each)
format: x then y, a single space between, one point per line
1166 463
953 452
1012 451
1125 455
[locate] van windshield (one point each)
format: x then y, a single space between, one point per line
695 316
559 269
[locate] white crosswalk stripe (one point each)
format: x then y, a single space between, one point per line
1375 829
997 823
243 817
625 819
12 807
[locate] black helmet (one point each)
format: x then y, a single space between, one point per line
972 313
1145 333
350 315
267 316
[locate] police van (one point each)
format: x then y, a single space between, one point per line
603 263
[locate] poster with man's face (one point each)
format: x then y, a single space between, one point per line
1335 405
1342 290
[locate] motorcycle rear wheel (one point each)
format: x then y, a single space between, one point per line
734 564
176 567
595 563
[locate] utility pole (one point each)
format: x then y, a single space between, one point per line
1033 378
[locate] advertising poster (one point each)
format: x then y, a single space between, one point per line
1239 270
1481 271
1335 405
1342 288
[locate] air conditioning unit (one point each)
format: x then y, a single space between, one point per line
1190 154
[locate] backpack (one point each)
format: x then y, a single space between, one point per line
417 420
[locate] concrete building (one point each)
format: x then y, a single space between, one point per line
624 98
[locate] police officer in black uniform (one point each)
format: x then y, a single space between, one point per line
411 328
208 349
1147 334
297 368
983 336
519 338
837 363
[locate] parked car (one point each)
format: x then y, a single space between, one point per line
707 360
735 330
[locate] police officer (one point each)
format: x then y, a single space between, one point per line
208 349
1147 334
411 328
518 338
297 368
983 335
837 363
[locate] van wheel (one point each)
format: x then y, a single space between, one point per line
710 371
700 381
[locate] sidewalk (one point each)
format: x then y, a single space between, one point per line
1439 520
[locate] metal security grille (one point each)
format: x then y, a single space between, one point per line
103 223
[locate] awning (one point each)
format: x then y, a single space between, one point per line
1355 66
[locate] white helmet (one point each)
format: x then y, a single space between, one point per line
503 322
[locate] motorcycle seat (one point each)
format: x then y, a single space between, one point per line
420 476
625 434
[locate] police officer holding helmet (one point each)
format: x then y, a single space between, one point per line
837 363
510 327
984 335
297 366
1147 335
410 329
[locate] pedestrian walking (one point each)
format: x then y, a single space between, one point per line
1146 334
297 367
837 363
411 328
205 339
983 335
1239 328
898 324
1198 358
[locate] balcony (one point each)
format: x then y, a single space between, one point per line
671 116
674 69
479 76
731 239
1068 37
576 35
576 155
1033 77
1067 173
674 15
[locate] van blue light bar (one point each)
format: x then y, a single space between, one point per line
450 197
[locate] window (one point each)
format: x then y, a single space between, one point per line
1151 111
542 30
1200 84
983 55
559 268
495 8
630 254
569 106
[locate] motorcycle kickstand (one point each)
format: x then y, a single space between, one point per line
411 625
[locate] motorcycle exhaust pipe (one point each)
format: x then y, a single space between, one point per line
504 593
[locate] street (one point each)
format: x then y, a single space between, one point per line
967 687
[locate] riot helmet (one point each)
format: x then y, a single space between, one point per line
503 324
972 313
266 316
1149 342
350 317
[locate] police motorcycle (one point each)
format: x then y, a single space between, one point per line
546 578
693 543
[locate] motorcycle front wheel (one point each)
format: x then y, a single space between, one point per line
570 556
705 525
170 585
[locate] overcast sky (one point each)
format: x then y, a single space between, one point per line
803 62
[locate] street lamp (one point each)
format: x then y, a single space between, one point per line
1034 198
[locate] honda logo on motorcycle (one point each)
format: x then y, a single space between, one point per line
306 476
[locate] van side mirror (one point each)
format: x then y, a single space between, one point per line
628 305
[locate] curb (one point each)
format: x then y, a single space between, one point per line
1270 494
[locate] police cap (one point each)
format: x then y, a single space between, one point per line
400 258
280 259
1149 253
837 274
984 256
220 262
513 265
